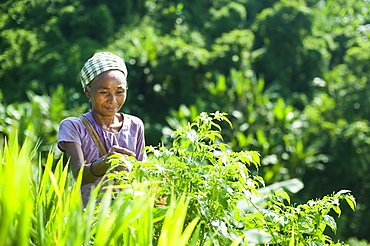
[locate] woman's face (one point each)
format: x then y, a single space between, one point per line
107 92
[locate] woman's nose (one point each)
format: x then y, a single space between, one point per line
112 98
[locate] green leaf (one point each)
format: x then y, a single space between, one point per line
330 222
351 202
284 194
337 209
237 241
343 192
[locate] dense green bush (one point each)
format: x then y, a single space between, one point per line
38 119
292 75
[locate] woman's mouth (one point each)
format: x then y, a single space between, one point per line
112 109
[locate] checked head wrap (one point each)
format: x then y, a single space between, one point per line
99 63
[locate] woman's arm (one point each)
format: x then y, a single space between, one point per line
94 170
77 162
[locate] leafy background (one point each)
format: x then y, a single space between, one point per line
292 75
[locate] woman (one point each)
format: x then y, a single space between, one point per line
103 79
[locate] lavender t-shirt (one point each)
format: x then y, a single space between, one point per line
130 136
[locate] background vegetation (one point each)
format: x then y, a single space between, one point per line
293 75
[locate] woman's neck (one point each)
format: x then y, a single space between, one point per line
109 123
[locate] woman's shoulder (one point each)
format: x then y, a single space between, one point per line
132 119
72 123
133 123
71 120
76 120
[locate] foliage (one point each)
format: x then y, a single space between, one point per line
292 74
40 205
308 144
38 119
302 224
215 180
355 242
265 121
286 19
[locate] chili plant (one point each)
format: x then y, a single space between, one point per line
214 180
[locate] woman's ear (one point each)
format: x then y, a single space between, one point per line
87 92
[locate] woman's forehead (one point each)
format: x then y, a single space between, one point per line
110 78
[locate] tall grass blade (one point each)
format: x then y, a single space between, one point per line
172 231
16 200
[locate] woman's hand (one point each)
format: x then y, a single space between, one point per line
121 151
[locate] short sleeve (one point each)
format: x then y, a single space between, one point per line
69 131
